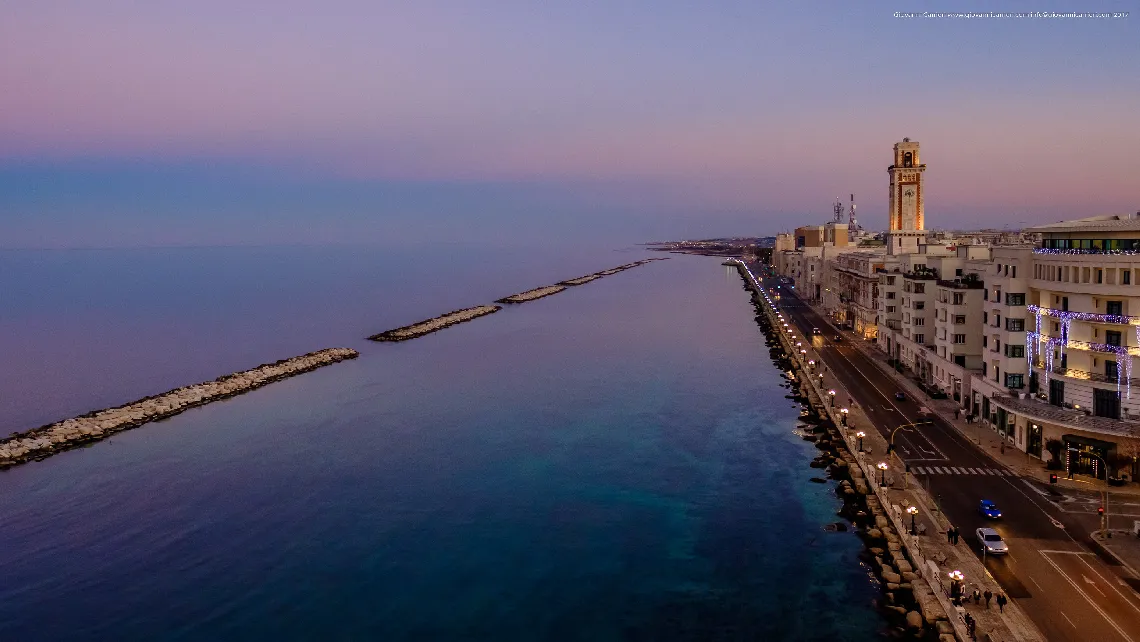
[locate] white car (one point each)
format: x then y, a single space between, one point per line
992 542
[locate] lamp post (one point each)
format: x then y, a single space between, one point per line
956 582
913 510
811 364
860 435
843 416
883 474
831 396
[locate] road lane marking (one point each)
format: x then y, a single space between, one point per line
1066 618
1118 592
1088 580
1086 596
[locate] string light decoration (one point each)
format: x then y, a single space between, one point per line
1050 250
1066 317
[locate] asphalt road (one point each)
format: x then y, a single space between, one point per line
1069 592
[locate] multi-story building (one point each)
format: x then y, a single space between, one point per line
856 284
957 317
1081 326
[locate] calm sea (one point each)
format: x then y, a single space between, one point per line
615 462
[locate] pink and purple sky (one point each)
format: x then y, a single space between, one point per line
149 123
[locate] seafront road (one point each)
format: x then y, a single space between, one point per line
1068 591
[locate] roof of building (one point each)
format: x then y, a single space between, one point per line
1110 223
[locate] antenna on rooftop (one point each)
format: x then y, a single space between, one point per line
852 222
838 209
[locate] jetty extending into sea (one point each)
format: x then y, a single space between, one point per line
50 439
531 295
433 324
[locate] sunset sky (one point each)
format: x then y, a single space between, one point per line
150 123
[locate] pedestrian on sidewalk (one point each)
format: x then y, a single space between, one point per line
956 413
957 534
988 596
977 597
1001 602
950 535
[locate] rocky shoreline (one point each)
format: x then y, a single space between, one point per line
531 295
47 440
434 324
906 601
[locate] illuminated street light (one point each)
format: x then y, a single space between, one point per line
831 396
844 416
883 474
860 435
913 510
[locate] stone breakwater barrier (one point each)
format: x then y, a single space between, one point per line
435 323
460 316
531 295
48 440
909 603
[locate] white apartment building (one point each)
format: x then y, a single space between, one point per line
1081 320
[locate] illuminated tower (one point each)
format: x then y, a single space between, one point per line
906 218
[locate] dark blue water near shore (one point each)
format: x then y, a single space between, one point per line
611 463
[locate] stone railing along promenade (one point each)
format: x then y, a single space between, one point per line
47 440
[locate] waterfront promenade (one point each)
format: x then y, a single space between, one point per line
1067 590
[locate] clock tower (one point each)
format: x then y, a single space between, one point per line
906 225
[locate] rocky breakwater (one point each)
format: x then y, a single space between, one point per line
531 295
435 323
907 599
44 441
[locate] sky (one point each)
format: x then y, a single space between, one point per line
127 123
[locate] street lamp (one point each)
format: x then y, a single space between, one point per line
843 415
883 474
860 435
913 510
956 578
811 364
831 396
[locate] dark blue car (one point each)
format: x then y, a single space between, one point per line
989 509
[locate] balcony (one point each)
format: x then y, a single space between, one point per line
1096 377
962 284
1120 319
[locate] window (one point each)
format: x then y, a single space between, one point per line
1015 325
960 359
1014 381
985 317
890 308
890 280
958 272
1114 307
985 367
890 295
920 305
1111 369
1099 275
1015 351
919 321
1112 337
919 288
1006 269
985 341
1065 302
959 338
1014 275
997 320
918 338
959 319
1126 277
1015 299
958 298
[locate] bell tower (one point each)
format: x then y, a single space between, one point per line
906 218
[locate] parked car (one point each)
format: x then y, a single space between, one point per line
900 396
991 541
816 331
837 338
989 509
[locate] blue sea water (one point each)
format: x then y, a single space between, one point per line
615 462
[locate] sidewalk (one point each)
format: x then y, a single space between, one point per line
1125 546
981 432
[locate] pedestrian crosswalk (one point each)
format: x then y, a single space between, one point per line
960 470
